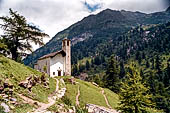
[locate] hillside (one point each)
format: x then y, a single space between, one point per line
89 35
23 90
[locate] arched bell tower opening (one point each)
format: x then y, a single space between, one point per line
66 47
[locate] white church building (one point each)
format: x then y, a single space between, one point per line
57 63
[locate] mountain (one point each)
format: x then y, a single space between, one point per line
88 35
168 9
23 90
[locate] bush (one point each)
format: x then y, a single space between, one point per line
66 100
81 110
1 109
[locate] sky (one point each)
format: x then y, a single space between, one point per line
52 16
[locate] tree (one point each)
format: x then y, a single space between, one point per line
75 70
134 96
122 70
147 64
3 47
158 64
112 75
87 65
19 34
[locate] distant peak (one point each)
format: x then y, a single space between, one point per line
168 9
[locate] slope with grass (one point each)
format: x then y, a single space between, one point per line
11 74
23 100
90 94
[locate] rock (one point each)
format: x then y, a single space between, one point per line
7 84
95 84
13 99
72 80
1 88
29 78
99 109
43 78
23 83
6 107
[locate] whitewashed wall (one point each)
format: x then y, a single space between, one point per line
55 63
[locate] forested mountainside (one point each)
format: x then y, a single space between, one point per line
89 35
105 47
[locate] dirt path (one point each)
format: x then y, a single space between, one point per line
102 91
77 96
29 100
51 101
42 106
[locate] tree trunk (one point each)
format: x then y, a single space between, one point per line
14 54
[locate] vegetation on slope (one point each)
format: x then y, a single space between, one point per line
12 73
90 94
96 31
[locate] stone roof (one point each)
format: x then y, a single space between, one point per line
53 54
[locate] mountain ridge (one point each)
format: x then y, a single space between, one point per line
106 24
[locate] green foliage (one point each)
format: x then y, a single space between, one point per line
89 94
18 34
1 109
16 72
66 100
100 33
134 95
87 65
3 47
112 75
81 110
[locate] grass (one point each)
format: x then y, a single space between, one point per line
71 92
15 72
22 108
112 98
90 94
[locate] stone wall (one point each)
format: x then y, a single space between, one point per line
43 63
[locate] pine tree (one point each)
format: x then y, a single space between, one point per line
112 75
158 64
18 34
134 96
74 70
87 65
147 64
3 47
122 70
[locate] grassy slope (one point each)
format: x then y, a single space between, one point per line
15 72
90 94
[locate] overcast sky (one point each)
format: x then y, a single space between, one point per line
53 16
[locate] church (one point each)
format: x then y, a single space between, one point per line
57 63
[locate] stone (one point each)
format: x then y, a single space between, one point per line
23 83
95 84
13 99
1 88
6 107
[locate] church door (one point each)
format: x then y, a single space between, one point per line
59 73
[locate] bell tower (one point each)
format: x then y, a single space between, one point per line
66 47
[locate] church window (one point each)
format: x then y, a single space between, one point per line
53 73
67 43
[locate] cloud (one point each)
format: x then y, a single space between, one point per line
55 15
